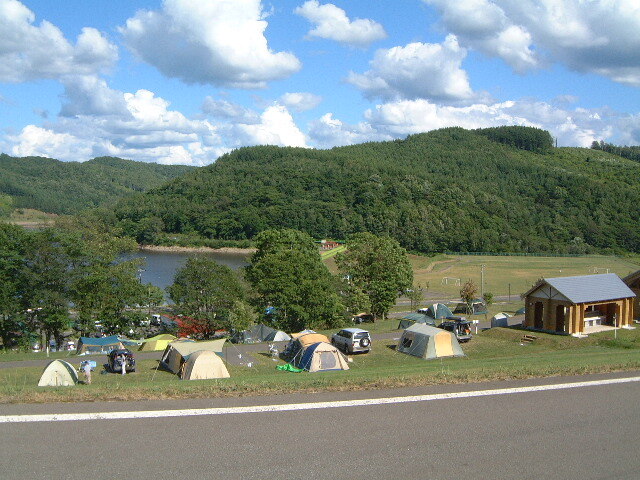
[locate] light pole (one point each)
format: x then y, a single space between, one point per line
482 280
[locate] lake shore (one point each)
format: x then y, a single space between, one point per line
173 248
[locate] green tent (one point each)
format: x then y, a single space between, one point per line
412 318
425 341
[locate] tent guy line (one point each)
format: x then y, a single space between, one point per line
64 417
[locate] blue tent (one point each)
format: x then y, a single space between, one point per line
321 357
98 345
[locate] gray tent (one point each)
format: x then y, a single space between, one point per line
425 341
260 333
412 318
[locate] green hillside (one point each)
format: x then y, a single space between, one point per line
492 190
68 187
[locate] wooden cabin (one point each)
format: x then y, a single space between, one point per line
575 305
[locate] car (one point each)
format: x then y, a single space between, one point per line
352 340
117 356
461 329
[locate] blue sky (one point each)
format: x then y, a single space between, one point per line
184 81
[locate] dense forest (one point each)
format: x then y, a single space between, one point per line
449 189
69 187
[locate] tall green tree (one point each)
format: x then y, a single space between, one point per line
378 267
207 292
287 273
12 273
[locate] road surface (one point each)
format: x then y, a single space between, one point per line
582 433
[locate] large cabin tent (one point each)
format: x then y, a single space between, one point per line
58 373
177 352
425 341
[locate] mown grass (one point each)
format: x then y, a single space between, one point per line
514 273
495 354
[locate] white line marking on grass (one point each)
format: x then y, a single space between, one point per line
66 417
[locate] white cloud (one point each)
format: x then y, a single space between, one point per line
328 132
600 36
417 70
29 52
572 127
276 127
332 23
220 43
226 110
300 101
42 142
90 95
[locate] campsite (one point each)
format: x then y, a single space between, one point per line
492 354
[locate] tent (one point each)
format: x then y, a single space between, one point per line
159 342
297 344
521 311
477 307
58 373
412 318
425 341
500 320
437 311
260 333
98 345
277 336
203 364
321 357
177 352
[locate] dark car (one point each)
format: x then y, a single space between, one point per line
461 329
115 358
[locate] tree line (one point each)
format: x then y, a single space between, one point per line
492 190
74 278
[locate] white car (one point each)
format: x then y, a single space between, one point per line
352 340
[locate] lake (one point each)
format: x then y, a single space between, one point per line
161 267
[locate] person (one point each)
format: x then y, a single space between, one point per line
123 362
86 368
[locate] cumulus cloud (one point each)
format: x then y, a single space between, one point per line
328 132
417 70
226 110
276 127
300 101
572 127
601 37
220 43
332 23
30 52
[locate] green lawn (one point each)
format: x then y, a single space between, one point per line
509 273
491 355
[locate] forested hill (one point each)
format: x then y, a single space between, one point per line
449 189
69 187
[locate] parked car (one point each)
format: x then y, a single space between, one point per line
119 355
461 329
352 340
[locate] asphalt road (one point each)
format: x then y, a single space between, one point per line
582 433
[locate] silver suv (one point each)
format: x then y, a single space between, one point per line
352 340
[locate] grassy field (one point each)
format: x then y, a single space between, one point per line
504 274
491 355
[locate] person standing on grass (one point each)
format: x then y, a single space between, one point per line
123 362
86 368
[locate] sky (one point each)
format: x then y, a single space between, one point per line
185 81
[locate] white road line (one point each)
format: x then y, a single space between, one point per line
66 417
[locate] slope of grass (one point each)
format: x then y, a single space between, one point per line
492 355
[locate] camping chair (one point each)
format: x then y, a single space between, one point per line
273 351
